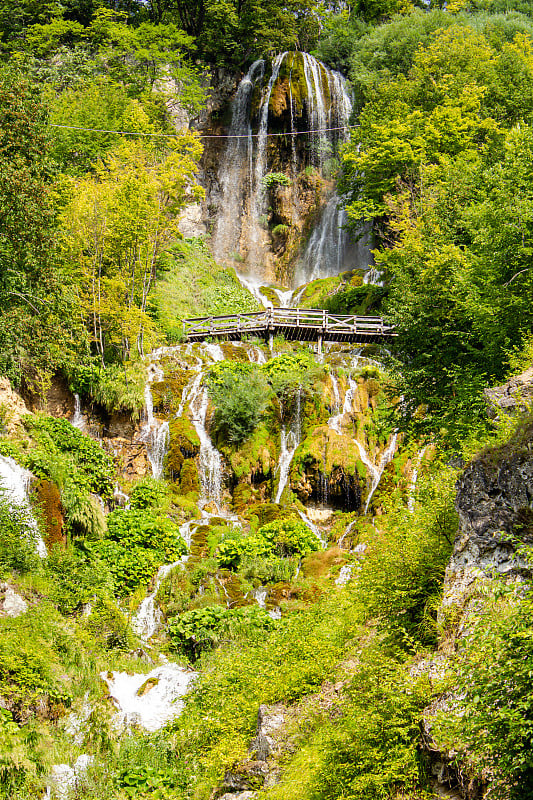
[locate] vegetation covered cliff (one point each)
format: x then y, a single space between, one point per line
233 571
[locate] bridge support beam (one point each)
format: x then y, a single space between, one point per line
319 345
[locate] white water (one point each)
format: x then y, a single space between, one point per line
156 706
154 433
78 420
254 286
348 530
148 617
289 442
210 460
386 458
15 483
260 595
414 478
120 497
344 575
314 528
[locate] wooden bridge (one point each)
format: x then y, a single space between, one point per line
296 324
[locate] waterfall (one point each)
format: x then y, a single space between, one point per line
260 595
344 575
14 486
153 433
289 443
386 458
258 197
325 104
236 167
414 479
148 617
78 420
314 528
210 460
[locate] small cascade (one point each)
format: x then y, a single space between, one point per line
148 617
336 393
334 423
154 433
386 458
314 528
348 530
214 350
254 286
210 460
289 442
78 420
285 297
260 595
414 479
14 485
316 109
148 700
120 498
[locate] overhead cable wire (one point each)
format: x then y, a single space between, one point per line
201 135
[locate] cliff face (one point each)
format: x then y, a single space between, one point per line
494 501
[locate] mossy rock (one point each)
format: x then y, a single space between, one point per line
316 292
49 501
184 444
243 496
255 458
189 478
167 394
266 512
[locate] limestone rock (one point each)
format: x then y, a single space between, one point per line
13 405
270 720
514 396
11 603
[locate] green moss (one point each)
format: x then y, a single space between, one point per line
316 292
167 394
189 479
324 450
184 444
256 455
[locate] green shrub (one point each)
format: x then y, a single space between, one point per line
274 179
109 627
74 581
137 544
94 467
120 387
279 538
490 722
18 539
240 401
204 628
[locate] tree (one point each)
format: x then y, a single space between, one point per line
37 305
118 222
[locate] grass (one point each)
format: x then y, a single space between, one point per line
194 285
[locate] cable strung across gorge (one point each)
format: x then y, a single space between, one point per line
200 135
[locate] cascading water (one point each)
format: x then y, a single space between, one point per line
78 420
148 617
236 167
14 486
386 458
210 460
319 102
414 478
154 433
289 442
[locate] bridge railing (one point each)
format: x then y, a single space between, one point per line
279 318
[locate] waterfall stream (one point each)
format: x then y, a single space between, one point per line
14 485
289 443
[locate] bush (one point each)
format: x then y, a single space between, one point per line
490 723
274 179
240 401
74 581
204 628
94 467
137 544
279 538
18 539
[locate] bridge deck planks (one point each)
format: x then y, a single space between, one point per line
293 323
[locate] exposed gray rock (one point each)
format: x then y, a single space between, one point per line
239 796
11 603
269 721
515 395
